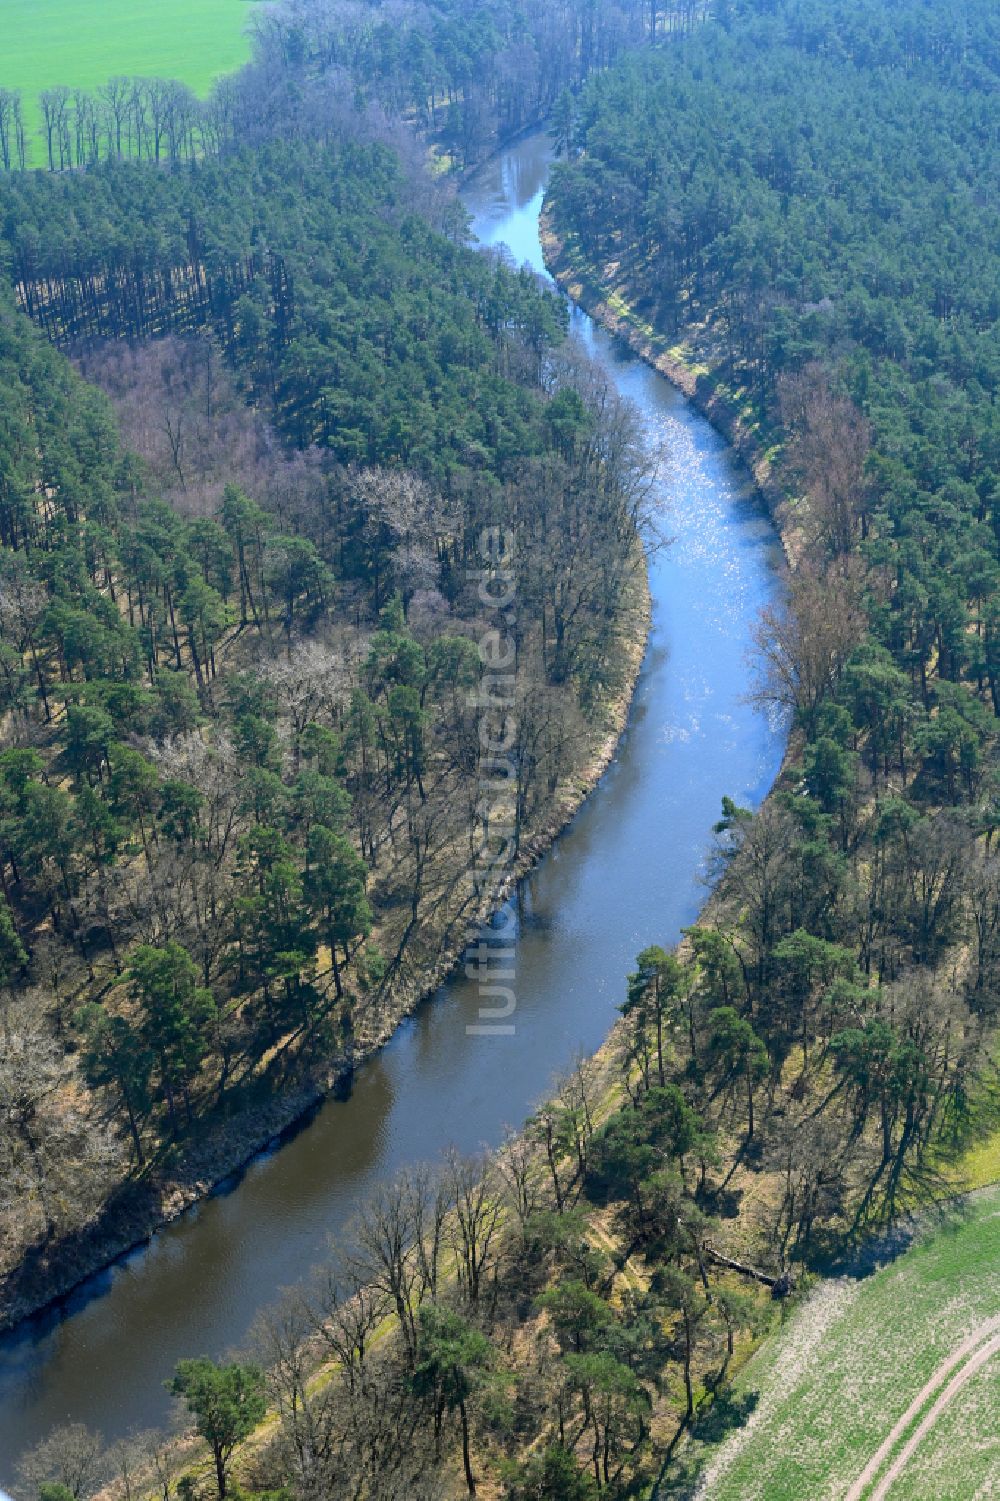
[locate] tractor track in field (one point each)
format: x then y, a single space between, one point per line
952 1374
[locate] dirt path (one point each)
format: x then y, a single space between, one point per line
975 1350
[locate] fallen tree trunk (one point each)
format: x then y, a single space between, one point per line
780 1286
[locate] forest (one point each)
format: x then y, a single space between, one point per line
466 73
245 744
853 315
551 1321
367 333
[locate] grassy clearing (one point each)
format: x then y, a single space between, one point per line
981 1165
83 43
823 1395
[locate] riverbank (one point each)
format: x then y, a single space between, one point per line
626 873
613 305
48 1276
713 911
605 295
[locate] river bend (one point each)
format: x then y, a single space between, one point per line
627 873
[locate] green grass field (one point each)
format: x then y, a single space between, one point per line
83 43
970 1429
826 1393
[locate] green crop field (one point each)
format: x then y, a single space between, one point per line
900 1370
83 43
965 1440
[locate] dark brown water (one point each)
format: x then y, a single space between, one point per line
626 874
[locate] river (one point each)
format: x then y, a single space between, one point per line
628 872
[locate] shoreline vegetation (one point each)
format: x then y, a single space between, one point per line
774 337
811 1064
305 702
153 1204
608 304
712 1456
607 1066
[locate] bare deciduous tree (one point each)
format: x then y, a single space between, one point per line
826 456
801 648
71 1456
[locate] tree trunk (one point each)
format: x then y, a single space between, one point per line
470 1479
336 969
688 1388
133 1127
220 1474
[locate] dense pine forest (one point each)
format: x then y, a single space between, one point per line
245 740
834 285
466 72
238 660
365 331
